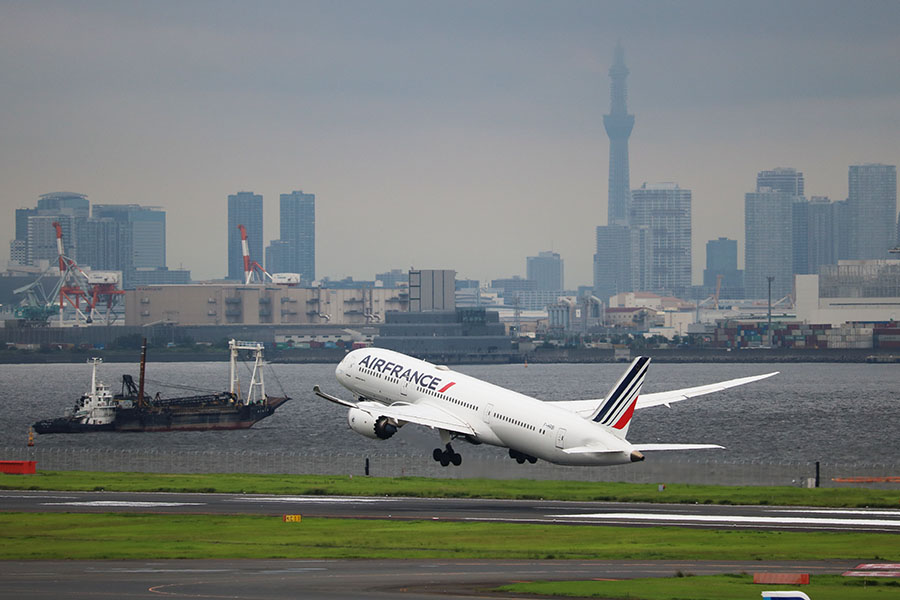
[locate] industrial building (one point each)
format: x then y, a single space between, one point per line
260 304
852 290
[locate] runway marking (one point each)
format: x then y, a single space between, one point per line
839 511
311 499
730 519
123 504
44 496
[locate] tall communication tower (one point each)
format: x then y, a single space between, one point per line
618 124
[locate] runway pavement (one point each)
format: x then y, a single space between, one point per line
335 579
415 579
458 509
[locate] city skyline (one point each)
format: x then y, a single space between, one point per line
394 113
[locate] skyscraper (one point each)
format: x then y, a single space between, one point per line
298 230
665 209
547 270
623 261
244 208
768 246
618 124
35 235
822 241
145 228
872 208
781 179
790 181
721 259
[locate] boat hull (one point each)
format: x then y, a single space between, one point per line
171 417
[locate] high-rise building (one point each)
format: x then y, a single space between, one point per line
872 208
41 241
822 241
278 256
618 124
547 270
623 261
36 241
665 209
790 181
768 246
244 208
298 228
145 227
781 179
721 261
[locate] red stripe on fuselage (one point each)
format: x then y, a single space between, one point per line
446 387
626 417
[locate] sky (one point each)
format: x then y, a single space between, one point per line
463 135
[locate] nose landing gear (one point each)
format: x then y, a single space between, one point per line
447 456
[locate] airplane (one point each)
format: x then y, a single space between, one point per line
393 389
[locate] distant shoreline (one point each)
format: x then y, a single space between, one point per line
537 356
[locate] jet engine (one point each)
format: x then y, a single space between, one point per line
363 423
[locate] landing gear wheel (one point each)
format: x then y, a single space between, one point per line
520 459
437 454
456 459
532 459
445 460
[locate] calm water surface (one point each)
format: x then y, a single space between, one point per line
836 413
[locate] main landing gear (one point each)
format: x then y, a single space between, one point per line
447 456
521 457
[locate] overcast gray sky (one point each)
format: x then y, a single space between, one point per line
463 135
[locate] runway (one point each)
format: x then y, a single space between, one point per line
338 579
782 518
415 579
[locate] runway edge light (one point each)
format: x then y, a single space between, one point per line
291 518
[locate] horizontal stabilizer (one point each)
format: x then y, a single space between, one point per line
652 447
591 450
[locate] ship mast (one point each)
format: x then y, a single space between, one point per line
143 364
256 390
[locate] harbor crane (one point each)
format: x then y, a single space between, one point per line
255 273
79 291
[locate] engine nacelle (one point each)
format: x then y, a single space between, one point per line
364 424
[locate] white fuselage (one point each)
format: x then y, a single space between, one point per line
499 416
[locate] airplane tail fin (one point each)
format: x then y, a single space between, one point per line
617 408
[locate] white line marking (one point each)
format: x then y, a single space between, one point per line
839 511
730 519
123 504
310 499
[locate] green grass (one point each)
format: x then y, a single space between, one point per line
711 587
52 536
450 488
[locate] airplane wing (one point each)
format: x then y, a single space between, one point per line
420 414
641 448
652 447
587 407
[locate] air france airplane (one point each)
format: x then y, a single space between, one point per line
394 389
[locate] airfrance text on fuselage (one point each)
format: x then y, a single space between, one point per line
398 371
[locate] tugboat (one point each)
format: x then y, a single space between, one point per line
133 410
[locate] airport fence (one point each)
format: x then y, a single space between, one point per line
653 470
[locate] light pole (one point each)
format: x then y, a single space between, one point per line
770 279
